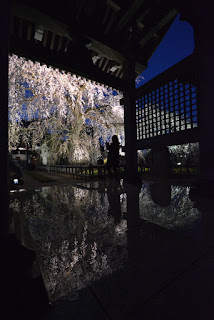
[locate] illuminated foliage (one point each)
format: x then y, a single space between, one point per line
68 113
185 154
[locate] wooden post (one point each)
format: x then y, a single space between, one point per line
131 171
133 216
204 50
4 185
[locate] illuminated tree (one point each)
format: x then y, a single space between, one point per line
67 112
185 154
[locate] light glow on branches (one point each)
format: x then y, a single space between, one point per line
66 111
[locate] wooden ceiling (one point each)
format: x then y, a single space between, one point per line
112 31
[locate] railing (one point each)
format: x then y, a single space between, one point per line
77 172
99 172
185 170
85 172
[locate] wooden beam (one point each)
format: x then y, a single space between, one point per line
37 17
105 65
52 41
100 62
118 71
176 138
80 7
45 37
142 17
111 13
129 13
113 5
30 14
106 51
20 28
29 29
170 16
59 60
99 45
110 22
59 43
106 15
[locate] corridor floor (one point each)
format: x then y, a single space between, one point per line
109 250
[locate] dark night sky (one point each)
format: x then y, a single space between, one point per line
177 44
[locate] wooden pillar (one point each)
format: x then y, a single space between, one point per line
133 220
160 167
132 193
131 172
4 188
204 49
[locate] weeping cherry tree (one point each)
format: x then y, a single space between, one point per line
69 114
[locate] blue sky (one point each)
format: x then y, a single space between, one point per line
177 44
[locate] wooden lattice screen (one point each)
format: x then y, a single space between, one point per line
168 109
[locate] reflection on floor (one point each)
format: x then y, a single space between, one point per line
108 250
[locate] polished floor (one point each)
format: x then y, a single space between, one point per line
109 250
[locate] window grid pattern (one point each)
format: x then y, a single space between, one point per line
170 108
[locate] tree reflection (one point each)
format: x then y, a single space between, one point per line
75 239
177 214
79 232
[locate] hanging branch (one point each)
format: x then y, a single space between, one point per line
58 106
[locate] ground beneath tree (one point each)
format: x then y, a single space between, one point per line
37 179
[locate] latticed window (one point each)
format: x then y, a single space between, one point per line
168 109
